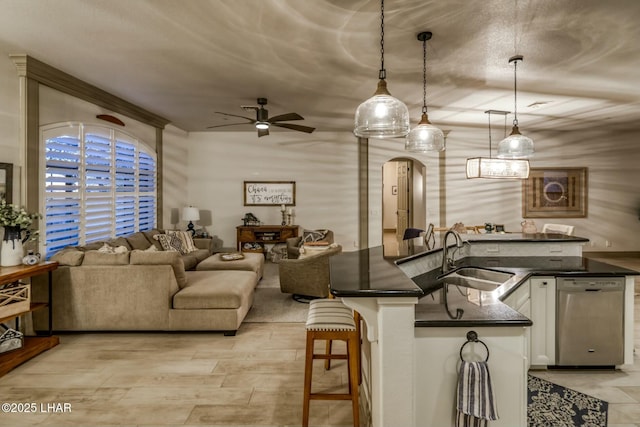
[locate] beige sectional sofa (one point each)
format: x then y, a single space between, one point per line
147 290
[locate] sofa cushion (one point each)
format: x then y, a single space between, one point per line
216 289
149 235
141 257
105 258
138 241
120 241
201 254
69 256
190 261
93 246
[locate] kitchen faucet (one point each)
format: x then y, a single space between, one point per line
447 262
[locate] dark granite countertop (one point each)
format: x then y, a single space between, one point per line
368 273
480 308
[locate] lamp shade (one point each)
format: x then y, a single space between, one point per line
425 137
515 146
487 167
190 214
381 116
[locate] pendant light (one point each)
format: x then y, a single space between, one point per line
516 145
382 115
424 137
490 167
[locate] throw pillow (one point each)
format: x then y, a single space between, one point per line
307 251
187 241
169 242
312 236
152 248
108 249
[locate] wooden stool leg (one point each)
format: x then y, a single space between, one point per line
354 368
308 369
327 362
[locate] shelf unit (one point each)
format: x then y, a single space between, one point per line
263 234
33 345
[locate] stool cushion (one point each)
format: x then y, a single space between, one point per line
329 315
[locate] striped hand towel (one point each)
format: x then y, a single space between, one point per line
475 401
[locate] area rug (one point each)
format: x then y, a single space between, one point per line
272 306
552 405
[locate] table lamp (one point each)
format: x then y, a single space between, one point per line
190 214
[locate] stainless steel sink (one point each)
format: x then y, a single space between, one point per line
483 274
479 282
476 278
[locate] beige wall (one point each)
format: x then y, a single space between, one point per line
206 169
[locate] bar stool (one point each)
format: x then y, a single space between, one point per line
330 319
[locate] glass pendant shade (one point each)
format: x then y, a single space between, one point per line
515 146
382 116
425 137
487 167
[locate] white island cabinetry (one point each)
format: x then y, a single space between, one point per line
536 299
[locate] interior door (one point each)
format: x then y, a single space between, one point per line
404 176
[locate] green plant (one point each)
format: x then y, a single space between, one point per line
15 216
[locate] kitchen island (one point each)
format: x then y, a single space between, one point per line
412 346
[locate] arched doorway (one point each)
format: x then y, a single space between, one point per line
403 201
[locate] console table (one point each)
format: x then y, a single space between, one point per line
32 345
263 234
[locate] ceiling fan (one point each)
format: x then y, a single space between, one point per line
263 122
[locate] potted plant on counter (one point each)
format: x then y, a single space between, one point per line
18 225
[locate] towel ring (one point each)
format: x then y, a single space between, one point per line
472 336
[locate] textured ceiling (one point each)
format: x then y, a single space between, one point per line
187 59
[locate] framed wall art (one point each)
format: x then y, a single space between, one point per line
555 193
269 193
6 182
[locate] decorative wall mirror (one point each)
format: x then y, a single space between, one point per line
6 182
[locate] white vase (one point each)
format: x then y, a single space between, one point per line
12 251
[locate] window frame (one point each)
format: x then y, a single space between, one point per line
90 185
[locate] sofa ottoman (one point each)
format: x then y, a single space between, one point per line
251 262
213 300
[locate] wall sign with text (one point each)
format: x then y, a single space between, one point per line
269 193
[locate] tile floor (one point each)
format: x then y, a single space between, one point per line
254 378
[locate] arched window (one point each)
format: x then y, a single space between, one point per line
99 183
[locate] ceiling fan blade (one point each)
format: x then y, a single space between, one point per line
227 124
285 117
235 115
299 128
263 132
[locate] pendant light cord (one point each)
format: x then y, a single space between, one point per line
383 73
515 92
424 76
489 113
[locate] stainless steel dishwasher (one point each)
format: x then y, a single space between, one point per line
590 321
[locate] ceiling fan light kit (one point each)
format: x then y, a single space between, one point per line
496 168
516 145
425 137
382 115
263 122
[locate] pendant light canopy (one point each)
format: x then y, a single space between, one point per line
425 137
516 145
382 115
489 167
